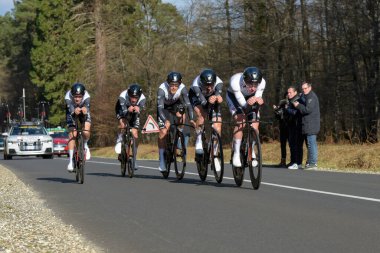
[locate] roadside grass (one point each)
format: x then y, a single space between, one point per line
336 157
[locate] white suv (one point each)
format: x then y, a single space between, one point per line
28 139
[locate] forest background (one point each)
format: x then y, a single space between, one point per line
47 45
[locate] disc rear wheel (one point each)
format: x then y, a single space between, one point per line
80 161
123 158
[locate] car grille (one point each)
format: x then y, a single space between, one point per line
30 146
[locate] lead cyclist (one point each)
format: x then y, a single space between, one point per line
245 90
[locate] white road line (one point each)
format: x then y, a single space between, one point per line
270 184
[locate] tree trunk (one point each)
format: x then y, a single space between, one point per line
100 46
229 34
305 42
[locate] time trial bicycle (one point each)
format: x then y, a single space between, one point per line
175 151
212 150
250 152
79 158
128 154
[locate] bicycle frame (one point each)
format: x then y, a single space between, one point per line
79 153
127 159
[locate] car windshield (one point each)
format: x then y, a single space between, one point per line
60 135
28 130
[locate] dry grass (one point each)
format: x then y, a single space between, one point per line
362 158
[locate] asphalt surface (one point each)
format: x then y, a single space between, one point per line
293 211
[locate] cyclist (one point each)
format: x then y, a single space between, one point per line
206 90
77 105
246 89
172 99
129 105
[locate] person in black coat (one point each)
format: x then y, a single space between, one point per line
294 120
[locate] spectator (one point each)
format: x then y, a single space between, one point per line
281 115
294 121
310 123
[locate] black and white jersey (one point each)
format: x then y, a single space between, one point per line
125 103
239 89
201 92
69 99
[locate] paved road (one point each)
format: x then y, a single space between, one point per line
293 211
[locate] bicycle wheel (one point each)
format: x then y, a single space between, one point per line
254 158
238 172
202 160
168 155
216 156
80 161
123 156
131 156
179 153
75 163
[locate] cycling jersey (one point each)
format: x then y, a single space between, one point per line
122 105
125 102
71 104
169 102
70 108
198 92
238 94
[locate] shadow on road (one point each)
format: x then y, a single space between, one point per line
58 179
197 182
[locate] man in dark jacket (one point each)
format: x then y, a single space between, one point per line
295 129
310 123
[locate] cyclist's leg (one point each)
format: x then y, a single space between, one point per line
135 124
164 128
255 116
119 139
237 139
239 117
199 112
71 143
217 126
86 135
217 116
121 126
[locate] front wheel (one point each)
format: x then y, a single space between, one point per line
80 161
216 156
168 156
255 159
179 152
123 158
131 157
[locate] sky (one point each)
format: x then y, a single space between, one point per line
7 5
